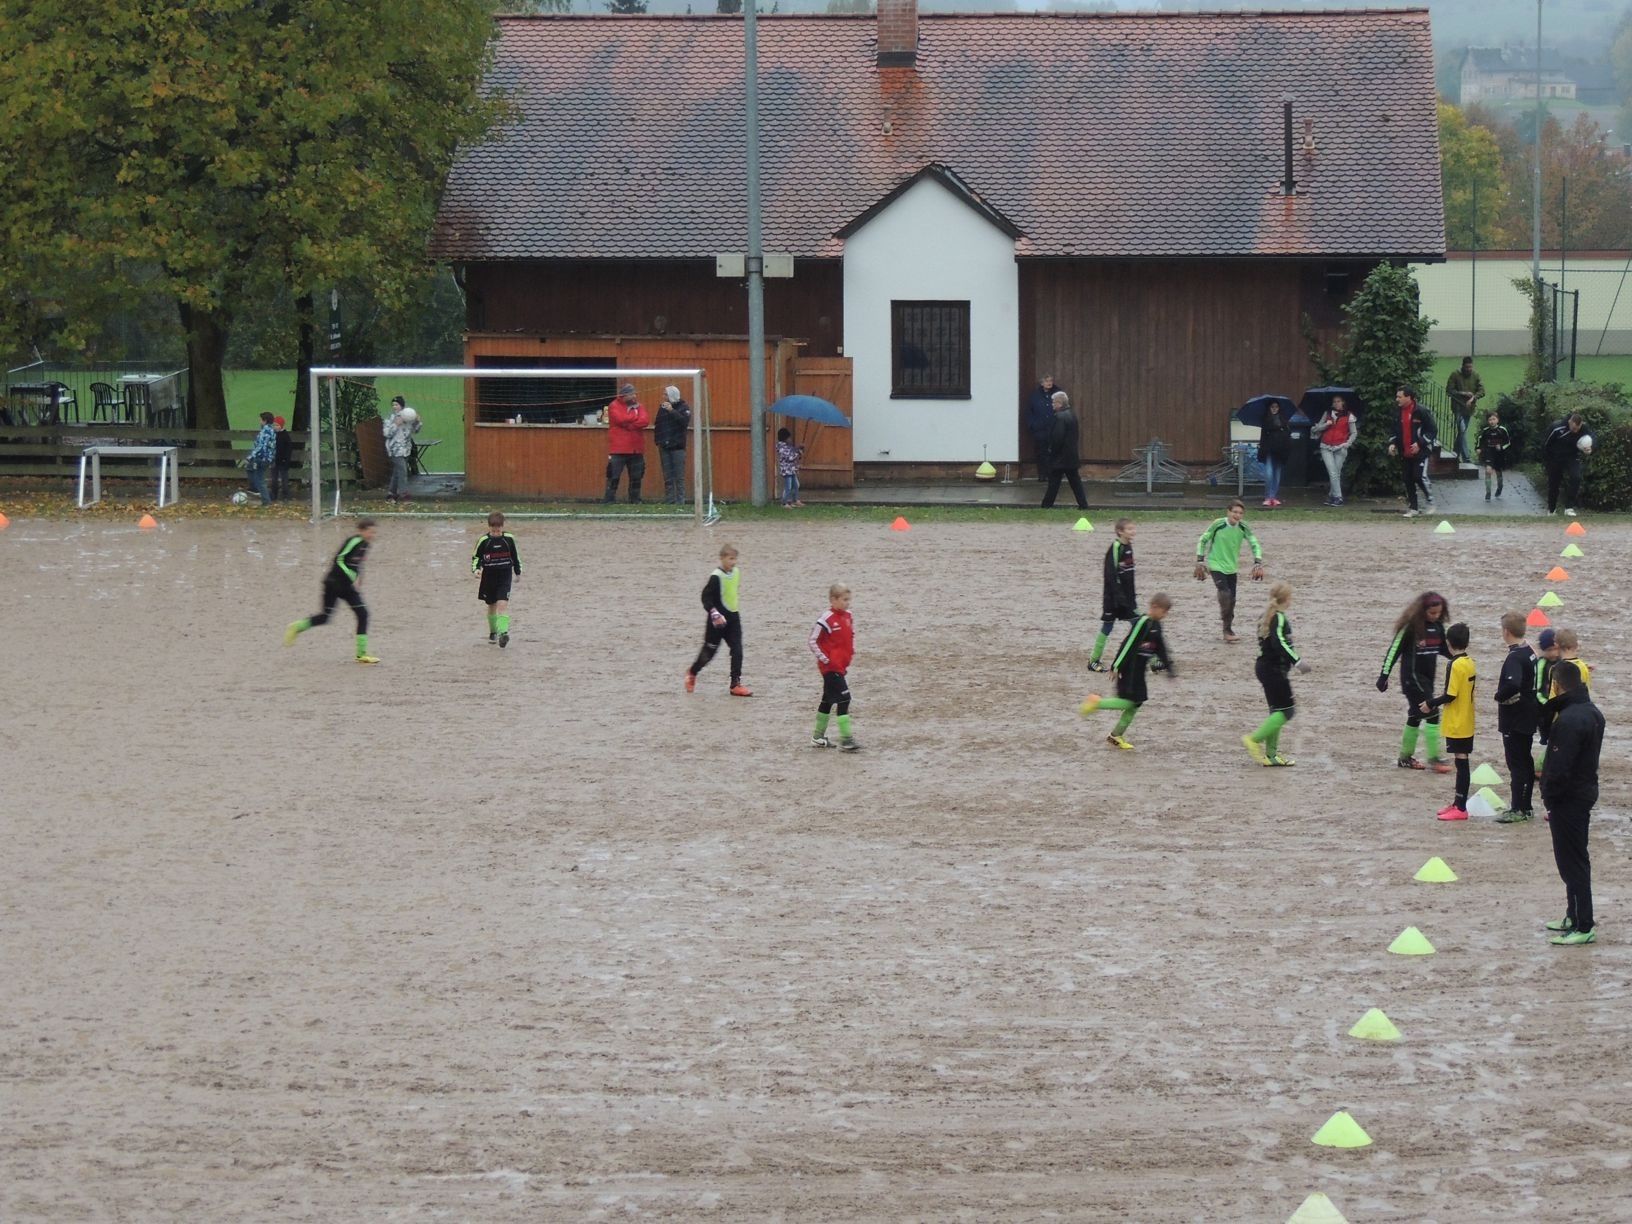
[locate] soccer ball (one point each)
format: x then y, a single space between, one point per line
240 498
409 415
1584 444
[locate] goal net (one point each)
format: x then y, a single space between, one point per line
532 439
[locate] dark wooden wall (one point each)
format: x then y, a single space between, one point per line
626 298
1168 350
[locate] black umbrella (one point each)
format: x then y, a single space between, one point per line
1317 401
1253 412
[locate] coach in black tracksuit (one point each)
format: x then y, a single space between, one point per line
1569 788
1561 453
1517 715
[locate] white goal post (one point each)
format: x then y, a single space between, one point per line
325 381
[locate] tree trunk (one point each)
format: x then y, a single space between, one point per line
206 358
304 416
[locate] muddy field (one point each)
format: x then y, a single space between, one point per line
533 935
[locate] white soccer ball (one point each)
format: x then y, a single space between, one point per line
240 498
1584 444
409 415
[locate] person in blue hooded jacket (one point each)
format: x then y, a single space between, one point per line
1040 420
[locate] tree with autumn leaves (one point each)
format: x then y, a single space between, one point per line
1482 158
231 148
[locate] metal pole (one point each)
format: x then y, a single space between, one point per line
1575 321
1473 286
756 266
1535 192
1563 231
334 443
314 448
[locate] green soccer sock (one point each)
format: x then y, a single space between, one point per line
362 644
821 724
1126 721
1432 732
1487 486
1408 742
503 619
844 726
1272 745
1099 647
301 626
1269 728
492 622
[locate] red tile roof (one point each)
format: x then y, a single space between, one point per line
1095 135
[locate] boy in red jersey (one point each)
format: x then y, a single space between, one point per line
833 642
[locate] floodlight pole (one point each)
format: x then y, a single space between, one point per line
756 265
1535 193
314 446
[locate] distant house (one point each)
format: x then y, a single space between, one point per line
970 201
1494 75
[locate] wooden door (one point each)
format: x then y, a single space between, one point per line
829 461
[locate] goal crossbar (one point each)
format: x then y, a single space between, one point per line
703 506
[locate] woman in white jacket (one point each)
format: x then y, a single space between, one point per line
400 428
1337 429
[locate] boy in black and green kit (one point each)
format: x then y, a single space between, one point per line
1143 648
1120 602
496 562
345 571
1218 553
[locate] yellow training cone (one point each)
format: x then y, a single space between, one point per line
1549 600
1374 1026
985 471
1317 1209
1082 524
1434 871
1572 549
1342 1131
1497 803
1486 775
1444 528
1411 942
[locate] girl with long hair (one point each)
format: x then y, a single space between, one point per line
1276 659
1418 643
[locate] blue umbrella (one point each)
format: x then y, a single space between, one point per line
1256 409
810 408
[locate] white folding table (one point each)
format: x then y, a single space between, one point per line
168 468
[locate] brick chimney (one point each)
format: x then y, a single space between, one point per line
897 33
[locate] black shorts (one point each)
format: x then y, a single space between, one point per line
1494 459
835 688
1130 686
495 585
1277 685
1456 744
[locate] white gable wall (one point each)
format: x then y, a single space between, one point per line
928 245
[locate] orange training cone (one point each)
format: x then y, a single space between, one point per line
900 524
1537 619
4 522
1558 574
1575 529
147 522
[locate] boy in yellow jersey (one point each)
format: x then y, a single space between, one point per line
1569 650
722 598
1456 716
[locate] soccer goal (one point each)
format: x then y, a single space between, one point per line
533 434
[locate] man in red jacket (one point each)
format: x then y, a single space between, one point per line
626 423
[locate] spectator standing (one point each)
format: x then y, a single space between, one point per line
1414 433
669 432
400 428
1274 443
1337 429
261 456
1562 454
625 443
1569 788
1040 420
283 457
789 455
1063 459
1465 389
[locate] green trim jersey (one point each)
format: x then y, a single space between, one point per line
1220 546
1277 646
348 562
496 552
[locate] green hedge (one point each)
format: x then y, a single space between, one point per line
1532 409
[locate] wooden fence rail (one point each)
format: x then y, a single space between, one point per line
204 454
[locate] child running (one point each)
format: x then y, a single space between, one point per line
1218 553
1144 647
1494 441
1276 659
1456 704
722 595
833 642
339 583
1516 716
1419 640
496 562
1120 602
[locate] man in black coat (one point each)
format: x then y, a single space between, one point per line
1063 459
1569 788
1562 454
1414 437
669 432
1040 420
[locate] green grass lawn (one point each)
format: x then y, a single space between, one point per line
439 401
1503 374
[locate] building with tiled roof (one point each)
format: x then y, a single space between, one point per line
1111 198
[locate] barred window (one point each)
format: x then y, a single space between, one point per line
929 346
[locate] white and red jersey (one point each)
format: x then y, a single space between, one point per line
833 641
